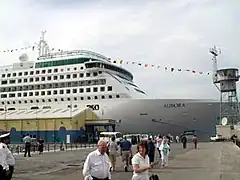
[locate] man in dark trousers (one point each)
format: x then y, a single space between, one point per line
151 150
184 141
27 140
195 141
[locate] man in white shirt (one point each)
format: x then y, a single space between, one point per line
10 159
27 140
97 164
4 152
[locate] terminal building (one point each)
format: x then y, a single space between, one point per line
54 125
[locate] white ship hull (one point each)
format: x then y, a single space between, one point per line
162 116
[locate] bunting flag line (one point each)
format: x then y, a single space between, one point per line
171 69
33 48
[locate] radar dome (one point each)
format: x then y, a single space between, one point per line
23 57
224 121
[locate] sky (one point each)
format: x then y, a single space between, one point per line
168 33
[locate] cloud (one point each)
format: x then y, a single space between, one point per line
176 33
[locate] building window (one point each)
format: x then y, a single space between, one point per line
12 81
25 80
25 94
20 74
95 97
37 79
14 74
31 79
103 97
68 76
81 75
49 71
4 82
11 95
61 91
89 98
117 96
95 89
110 96
68 99
95 73
68 91
49 78
8 75
55 92
43 71
3 75
109 88
43 78
74 75
55 77
62 99
88 90
48 92
49 100
55 70
55 100
30 93
102 88
75 98
25 73
88 74
42 93
74 90
36 93
31 72
19 95
61 76
82 98
81 90
37 72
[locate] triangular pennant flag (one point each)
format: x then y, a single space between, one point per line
187 70
200 72
172 69
146 65
193 71
153 65
11 50
139 64
126 62
33 48
133 62
158 67
165 68
114 61
121 61
179 70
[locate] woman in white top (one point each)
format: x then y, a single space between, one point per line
140 163
165 150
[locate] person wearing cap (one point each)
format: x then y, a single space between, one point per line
6 158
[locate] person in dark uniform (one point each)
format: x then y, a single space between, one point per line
184 141
40 145
151 150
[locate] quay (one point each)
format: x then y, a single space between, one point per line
212 160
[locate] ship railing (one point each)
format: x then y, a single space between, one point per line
71 53
6 68
51 147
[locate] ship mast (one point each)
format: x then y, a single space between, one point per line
43 46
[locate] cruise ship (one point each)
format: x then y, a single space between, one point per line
74 93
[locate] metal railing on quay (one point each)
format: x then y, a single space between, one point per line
51 147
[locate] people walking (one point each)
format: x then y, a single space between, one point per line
97 164
151 150
27 140
195 141
165 150
40 145
141 163
126 152
159 142
112 148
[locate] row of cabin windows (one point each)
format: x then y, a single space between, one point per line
44 71
62 99
93 82
49 78
56 92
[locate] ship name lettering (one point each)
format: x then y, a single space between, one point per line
176 105
94 107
